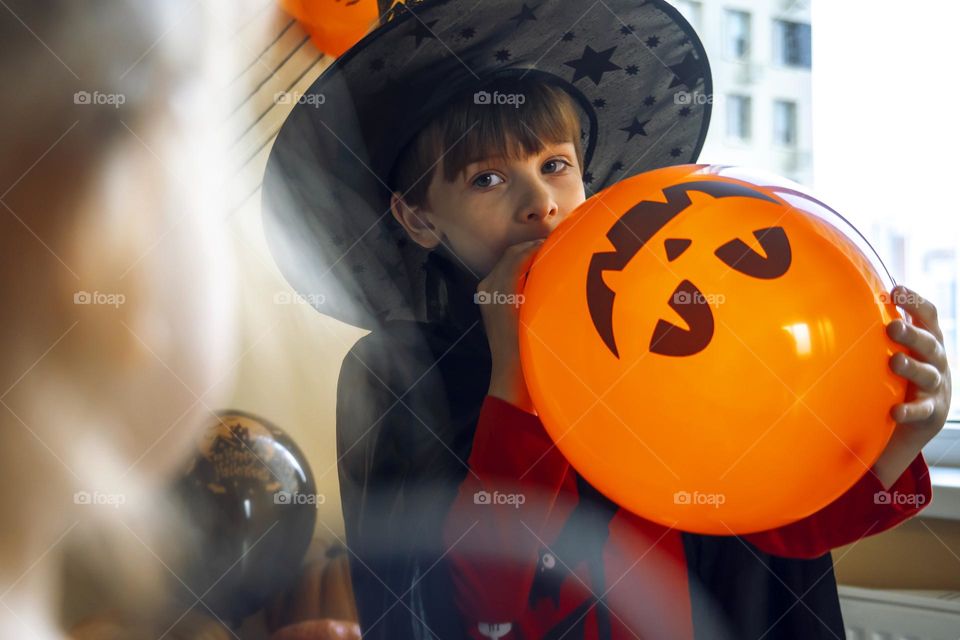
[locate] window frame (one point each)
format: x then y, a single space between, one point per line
728 15
747 101
794 122
780 44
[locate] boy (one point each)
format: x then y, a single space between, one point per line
433 414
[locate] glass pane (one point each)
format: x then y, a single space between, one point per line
738 117
892 181
785 122
791 43
737 34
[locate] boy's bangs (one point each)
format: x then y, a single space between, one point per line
472 129
508 131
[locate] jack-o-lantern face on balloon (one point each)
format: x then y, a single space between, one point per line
692 343
641 223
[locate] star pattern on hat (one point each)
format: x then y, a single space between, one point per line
636 128
526 13
675 152
627 29
687 71
592 64
649 101
653 42
422 30
467 33
684 112
568 36
599 103
616 166
503 55
632 70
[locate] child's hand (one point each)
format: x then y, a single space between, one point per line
499 302
927 404
926 369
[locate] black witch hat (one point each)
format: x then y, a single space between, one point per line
326 196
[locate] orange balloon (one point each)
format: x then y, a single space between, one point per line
334 25
708 348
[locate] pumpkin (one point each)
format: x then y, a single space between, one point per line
323 590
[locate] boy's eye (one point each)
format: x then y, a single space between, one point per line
560 164
484 181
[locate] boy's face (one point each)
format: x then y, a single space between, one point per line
495 203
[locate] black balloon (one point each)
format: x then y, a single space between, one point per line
250 500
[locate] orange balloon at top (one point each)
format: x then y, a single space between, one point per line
334 25
708 348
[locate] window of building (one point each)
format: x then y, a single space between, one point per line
738 117
791 43
737 36
785 123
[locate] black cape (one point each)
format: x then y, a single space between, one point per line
408 401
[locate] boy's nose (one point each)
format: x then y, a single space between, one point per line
542 213
540 206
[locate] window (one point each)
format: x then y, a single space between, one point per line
689 10
738 117
791 43
914 229
737 37
785 123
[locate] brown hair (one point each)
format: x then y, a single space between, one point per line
469 130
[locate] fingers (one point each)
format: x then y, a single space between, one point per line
916 411
529 256
921 310
920 341
508 274
524 254
926 376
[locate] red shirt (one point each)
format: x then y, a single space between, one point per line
496 547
